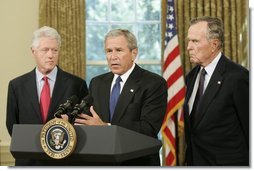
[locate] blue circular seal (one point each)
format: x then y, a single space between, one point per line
58 138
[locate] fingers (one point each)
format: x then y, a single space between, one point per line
85 116
78 124
90 120
81 122
65 117
84 119
93 112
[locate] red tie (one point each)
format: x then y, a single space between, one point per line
45 99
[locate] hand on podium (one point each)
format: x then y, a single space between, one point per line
89 120
65 117
86 119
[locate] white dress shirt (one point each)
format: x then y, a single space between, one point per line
124 78
209 72
40 82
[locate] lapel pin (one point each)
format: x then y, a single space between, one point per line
131 90
219 82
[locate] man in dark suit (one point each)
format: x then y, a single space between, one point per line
217 100
142 102
24 92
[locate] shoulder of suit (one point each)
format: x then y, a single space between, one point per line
151 77
24 77
105 76
234 66
68 75
152 74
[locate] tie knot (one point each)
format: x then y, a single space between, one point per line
45 78
203 72
119 79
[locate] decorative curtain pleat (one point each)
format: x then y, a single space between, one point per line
234 14
68 18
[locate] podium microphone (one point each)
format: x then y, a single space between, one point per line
83 106
63 107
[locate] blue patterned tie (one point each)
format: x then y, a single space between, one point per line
114 96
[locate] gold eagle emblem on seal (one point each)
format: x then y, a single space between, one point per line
58 138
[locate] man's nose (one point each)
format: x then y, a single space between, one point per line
114 54
50 53
189 45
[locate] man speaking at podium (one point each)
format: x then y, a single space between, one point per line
34 97
128 96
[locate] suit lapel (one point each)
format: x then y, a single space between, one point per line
212 89
191 84
58 92
105 92
127 93
31 90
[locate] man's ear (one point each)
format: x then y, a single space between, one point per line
215 44
134 54
32 51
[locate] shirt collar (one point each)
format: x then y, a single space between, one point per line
211 67
51 75
125 76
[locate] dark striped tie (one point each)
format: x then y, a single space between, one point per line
198 97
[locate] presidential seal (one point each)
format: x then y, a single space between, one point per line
58 138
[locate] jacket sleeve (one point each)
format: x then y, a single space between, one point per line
12 109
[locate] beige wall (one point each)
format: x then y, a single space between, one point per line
18 19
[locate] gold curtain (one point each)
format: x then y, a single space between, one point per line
233 13
68 18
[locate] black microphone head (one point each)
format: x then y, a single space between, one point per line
86 102
63 108
89 100
73 99
85 105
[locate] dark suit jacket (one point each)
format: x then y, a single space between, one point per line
220 135
23 105
141 106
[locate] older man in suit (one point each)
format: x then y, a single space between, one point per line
217 100
142 95
27 93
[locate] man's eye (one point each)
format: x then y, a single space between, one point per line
44 50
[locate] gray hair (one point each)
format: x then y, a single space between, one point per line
130 37
45 31
215 27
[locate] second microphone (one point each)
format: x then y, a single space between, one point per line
83 107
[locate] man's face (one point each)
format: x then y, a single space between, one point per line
199 48
46 55
120 58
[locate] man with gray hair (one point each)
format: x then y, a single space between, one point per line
34 97
217 100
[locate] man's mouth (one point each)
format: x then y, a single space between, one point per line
113 65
